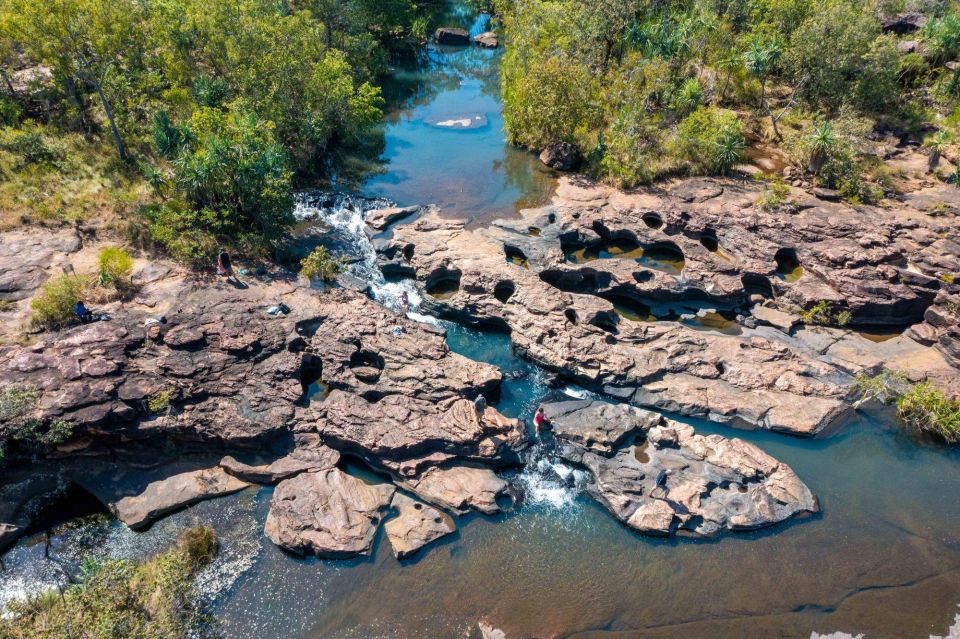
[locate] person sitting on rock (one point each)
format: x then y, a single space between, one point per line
540 421
82 312
224 265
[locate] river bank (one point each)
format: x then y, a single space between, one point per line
533 552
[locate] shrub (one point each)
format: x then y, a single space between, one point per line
53 305
16 404
928 409
118 598
321 265
774 195
116 267
823 314
159 401
710 141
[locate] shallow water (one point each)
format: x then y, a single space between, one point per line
882 559
482 176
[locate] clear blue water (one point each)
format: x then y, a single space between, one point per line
882 559
471 174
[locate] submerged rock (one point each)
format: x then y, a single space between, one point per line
327 513
671 478
173 493
415 525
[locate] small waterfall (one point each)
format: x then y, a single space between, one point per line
340 220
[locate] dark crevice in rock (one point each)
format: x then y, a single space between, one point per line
443 283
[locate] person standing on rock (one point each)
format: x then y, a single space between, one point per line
540 421
661 482
224 265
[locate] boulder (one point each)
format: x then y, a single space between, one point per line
173 493
281 469
458 489
710 483
597 426
561 156
328 513
777 319
487 40
452 36
380 219
415 525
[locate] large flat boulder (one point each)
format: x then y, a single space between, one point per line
458 489
327 513
707 484
173 493
415 525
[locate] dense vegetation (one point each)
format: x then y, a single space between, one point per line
647 89
200 115
117 598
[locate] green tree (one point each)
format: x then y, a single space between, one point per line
86 39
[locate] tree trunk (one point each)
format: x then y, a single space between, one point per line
6 79
114 131
933 160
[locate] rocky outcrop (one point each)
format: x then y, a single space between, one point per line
904 23
452 36
415 525
665 477
614 291
27 258
173 493
327 513
561 156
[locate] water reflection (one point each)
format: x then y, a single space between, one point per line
470 172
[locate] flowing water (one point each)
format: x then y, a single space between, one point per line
882 559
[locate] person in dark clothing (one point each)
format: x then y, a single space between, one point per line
224 265
661 481
82 312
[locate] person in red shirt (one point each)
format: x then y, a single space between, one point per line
540 421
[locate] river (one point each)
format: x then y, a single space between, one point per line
882 559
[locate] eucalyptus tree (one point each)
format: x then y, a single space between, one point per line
85 39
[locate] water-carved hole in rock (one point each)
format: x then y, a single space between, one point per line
503 291
311 371
571 315
640 446
418 506
367 366
605 321
552 217
515 256
72 502
408 252
653 220
443 283
663 256
585 280
608 248
754 284
709 241
630 308
789 268
437 520
533 231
